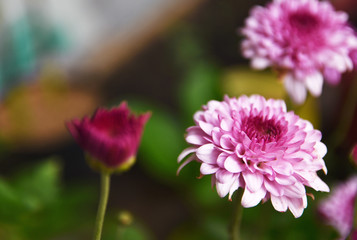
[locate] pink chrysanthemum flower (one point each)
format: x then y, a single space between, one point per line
338 209
305 40
110 137
255 144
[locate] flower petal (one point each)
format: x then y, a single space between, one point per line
207 169
251 199
319 185
195 136
223 188
186 152
253 181
295 88
296 206
232 164
279 203
314 83
207 153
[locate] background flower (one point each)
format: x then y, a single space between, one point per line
305 40
253 143
110 137
354 155
338 209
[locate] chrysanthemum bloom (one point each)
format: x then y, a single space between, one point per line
110 137
305 40
338 209
255 144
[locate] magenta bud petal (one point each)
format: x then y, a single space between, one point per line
110 137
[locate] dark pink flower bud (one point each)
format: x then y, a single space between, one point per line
110 137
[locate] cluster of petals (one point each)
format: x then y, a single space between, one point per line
338 209
110 137
307 41
255 144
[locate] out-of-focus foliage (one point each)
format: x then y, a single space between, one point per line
161 143
243 80
117 229
34 205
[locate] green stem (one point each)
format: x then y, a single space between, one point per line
237 216
104 193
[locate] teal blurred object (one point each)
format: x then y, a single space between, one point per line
27 38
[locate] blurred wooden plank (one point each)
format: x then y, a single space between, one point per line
119 48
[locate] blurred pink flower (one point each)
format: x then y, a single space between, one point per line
338 209
111 137
354 155
305 40
253 143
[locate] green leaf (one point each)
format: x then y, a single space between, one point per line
38 185
200 85
162 142
11 205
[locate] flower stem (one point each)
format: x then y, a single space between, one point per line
237 216
104 193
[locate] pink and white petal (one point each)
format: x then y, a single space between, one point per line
207 169
206 127
304 201
239 150
233 165
321 149
195 136
187 161
306 176
285 180
314 83
227 124
274 188
207 153
296 206
295 88
319 185
253 181
233 188
283 167
222 158
224 176
295 191
279 203
223 188
332 75
214 104
186 152
260 63
251 199
226 142
216 135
